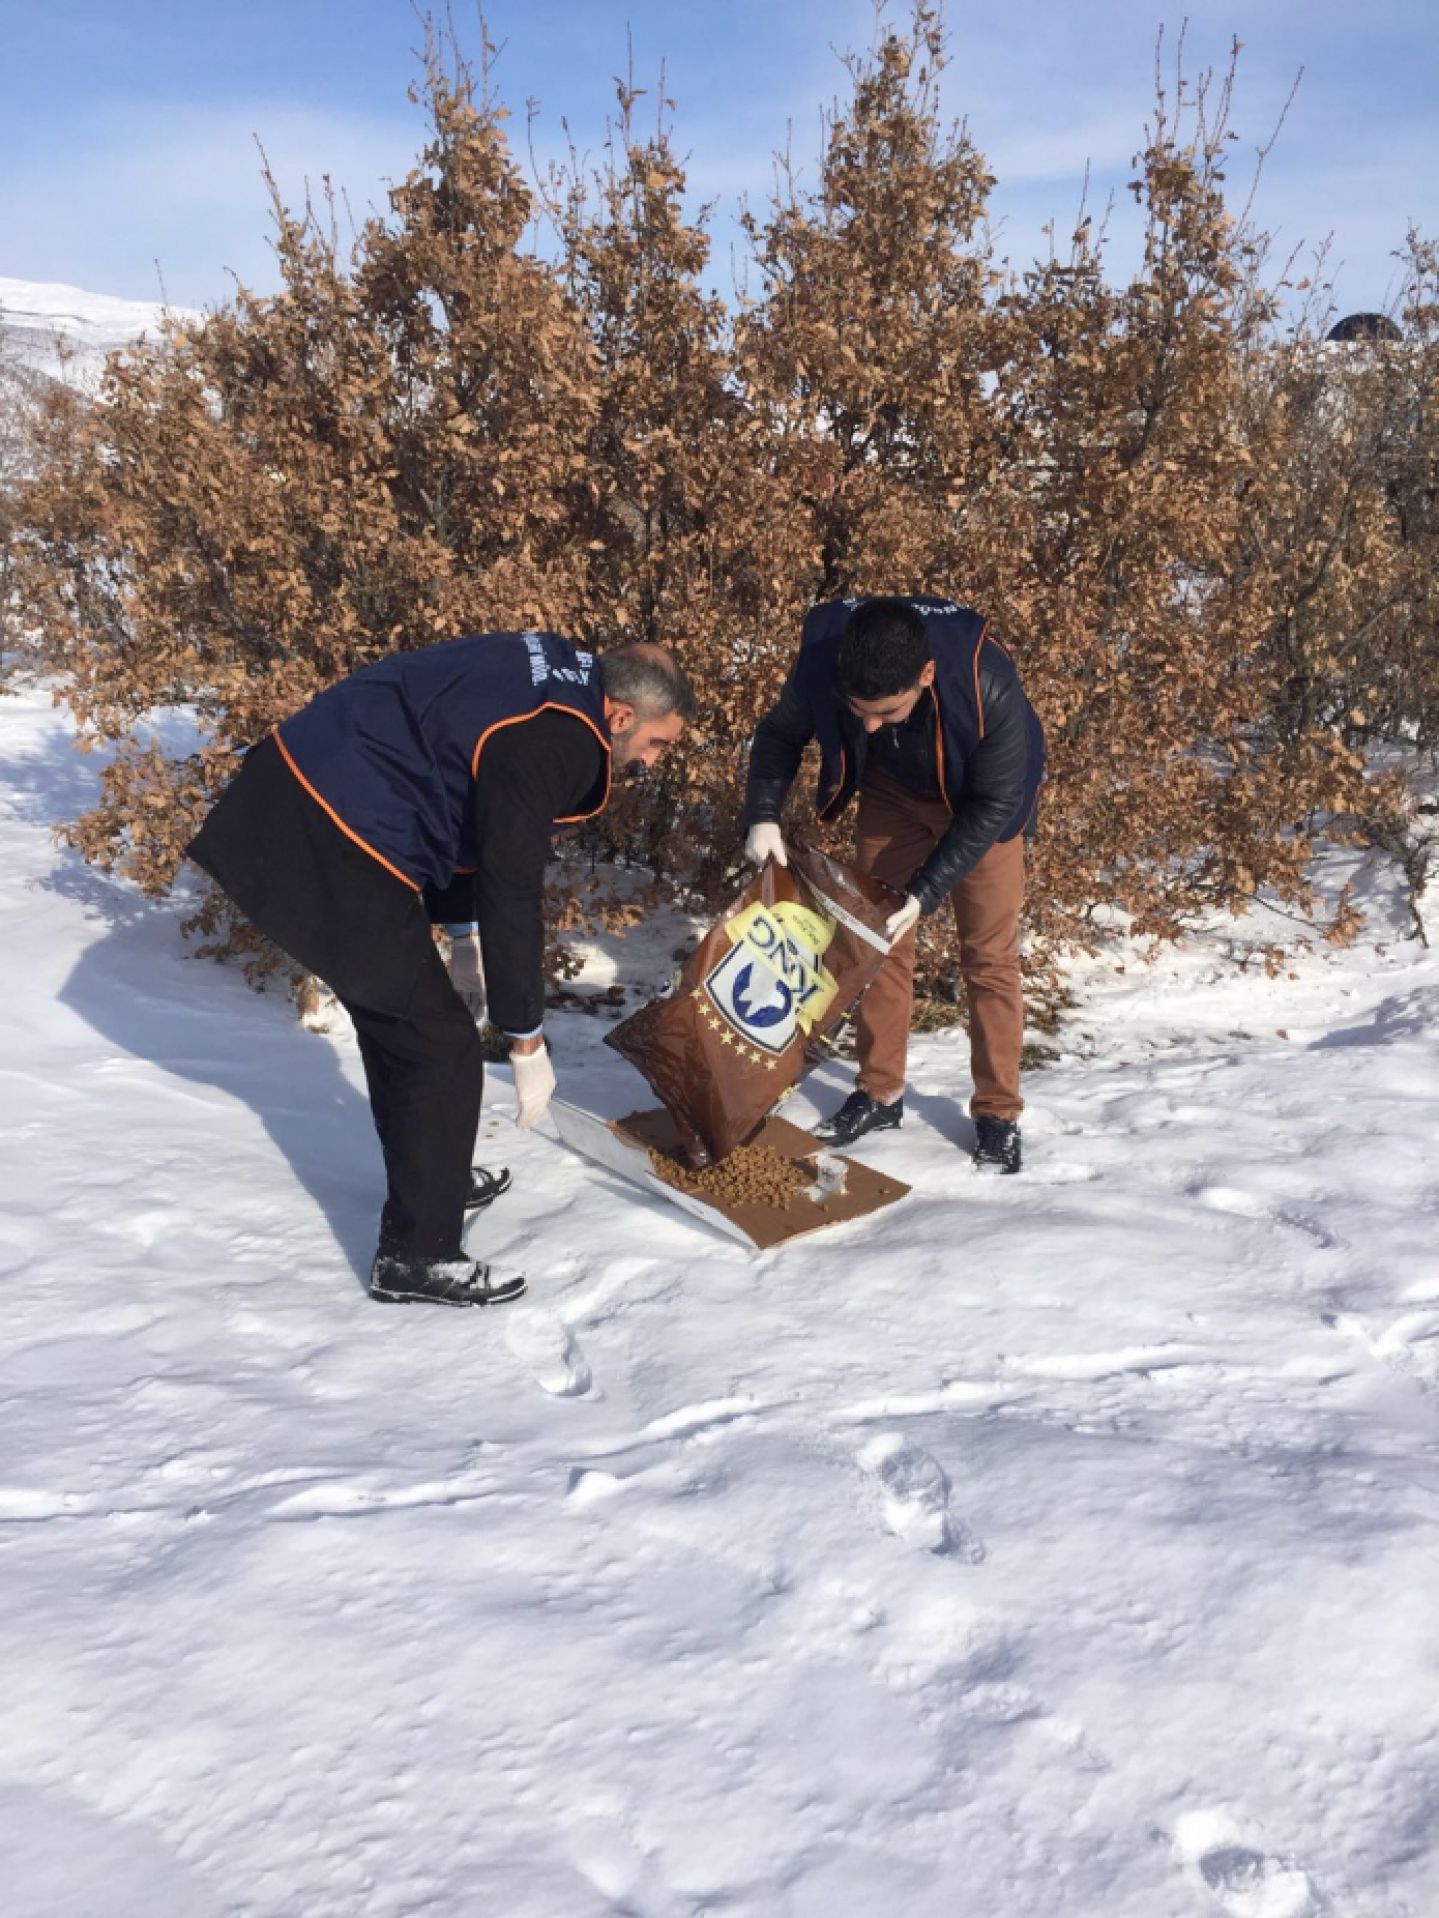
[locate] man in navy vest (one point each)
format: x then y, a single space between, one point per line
359 812
917 707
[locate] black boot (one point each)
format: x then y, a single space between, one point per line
997 1148
859 1114
486 1187
441 1282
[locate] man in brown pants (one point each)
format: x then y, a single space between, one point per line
919 709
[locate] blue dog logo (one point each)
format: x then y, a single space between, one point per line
761 1018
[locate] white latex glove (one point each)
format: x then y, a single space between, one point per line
765 841
467 973
899 923
534 1081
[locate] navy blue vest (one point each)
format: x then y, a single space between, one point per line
956 638
391 752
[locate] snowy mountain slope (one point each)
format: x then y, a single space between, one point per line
1063 1545
36 315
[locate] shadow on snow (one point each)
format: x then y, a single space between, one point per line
134 986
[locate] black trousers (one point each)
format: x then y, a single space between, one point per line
338 913
425 1071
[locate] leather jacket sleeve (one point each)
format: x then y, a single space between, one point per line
994 780
779 743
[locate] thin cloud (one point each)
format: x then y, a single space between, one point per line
182 186
1047 94
1099 140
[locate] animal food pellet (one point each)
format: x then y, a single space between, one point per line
750 1175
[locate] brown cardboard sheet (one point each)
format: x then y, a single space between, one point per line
865 1190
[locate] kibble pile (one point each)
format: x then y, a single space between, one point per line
750 1175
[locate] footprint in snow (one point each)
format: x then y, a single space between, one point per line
1408 1346
333 1498
542 1341
914 1498
1411 1345
1065 1172
1245 1882
24 1506
1250 1205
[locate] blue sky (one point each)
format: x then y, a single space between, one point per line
128 128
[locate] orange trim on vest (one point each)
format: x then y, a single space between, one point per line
556 706
349 833
978 695
939 750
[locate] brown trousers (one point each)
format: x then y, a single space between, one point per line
897 830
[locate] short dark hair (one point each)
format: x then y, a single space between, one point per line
883 652
649 679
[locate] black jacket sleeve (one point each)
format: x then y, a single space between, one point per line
779 743
994 781
529 775
455 904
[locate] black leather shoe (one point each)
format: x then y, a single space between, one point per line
486 1187
997 1148
441 1282
859 1114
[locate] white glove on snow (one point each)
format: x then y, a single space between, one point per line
765 841
534 1083
899 923
467 973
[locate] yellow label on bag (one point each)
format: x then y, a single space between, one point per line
772 982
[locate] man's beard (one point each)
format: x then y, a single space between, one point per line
630 770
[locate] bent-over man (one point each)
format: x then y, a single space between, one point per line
918 708
455 759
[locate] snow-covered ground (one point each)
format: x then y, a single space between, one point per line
65 332
1056 1547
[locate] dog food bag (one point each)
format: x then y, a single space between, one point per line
778 973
